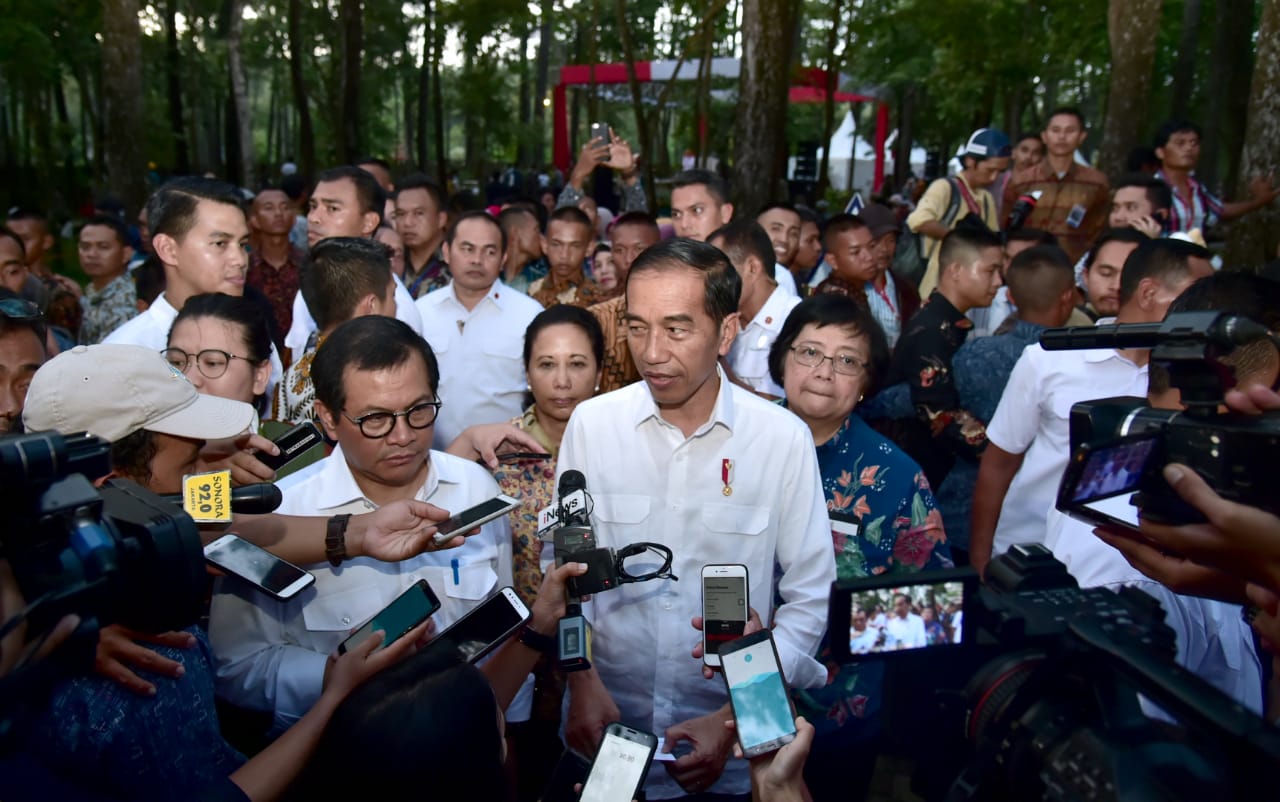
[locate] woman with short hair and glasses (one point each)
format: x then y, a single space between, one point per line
829 355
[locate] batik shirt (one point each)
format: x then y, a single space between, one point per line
279 284
107 309
901 531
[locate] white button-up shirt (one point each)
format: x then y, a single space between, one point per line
906 633
481 355
785 280
749 354
648 482
303 323
271 654
1033 419
150 329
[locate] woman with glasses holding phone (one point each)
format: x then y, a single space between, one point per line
829 355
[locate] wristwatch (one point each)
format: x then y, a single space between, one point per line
335 539
537 641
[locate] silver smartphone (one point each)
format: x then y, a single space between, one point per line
257 566
621 764
479 515
758 693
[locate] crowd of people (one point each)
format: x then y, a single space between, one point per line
814 398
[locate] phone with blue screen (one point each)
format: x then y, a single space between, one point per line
411 608
758 692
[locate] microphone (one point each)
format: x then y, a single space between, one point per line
1224 330
1022 209
256 499
573 540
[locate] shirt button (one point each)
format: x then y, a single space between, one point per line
346 620
666 606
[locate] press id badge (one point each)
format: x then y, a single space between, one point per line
1076 217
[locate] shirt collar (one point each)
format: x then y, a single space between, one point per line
1103 354
163 312
944 307
336 486
498 295
1024 330
646 409
774 312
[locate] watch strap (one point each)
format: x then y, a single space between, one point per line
335 539
537 641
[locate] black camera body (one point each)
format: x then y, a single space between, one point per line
578 544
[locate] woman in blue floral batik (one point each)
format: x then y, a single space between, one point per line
829 354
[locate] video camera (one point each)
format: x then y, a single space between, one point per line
1054 707
570 531
1120 445
105 554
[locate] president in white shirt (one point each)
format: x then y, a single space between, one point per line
718 475
476 327
905 629
375 385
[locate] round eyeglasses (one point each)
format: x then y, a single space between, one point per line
847 364
211 362
380 424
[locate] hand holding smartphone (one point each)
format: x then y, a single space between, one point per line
292 444
621 764
482 629
600 131
725 608
470 518
758 693
410 609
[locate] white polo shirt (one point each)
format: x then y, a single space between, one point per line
648 482
271 654
749 354
481 355
304 324
1033 419
150 329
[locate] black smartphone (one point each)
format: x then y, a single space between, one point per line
758 693
409 609
621 764
1101 478
481 630
601 131
883 615
292 444
257 566
470 518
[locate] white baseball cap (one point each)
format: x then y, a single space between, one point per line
112 391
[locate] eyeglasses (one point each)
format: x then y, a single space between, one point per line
846 364
211 362
380 424
21 310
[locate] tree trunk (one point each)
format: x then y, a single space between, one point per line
1229 74
243 124
1132 28
543 81
1253 239
173 79
761 118
906 136
637 101
437 105
424 92
1184 69
523 148
122 103
297 77
834 63
352 15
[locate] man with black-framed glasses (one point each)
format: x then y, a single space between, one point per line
22 352
376 383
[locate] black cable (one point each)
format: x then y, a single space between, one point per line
625 578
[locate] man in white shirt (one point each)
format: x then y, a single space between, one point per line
764 305
375 383
781 221
476 327
862 638
1028 438
905 628
718 475
199 233
347 202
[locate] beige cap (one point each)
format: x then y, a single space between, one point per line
113 391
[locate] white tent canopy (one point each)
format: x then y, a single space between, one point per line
844 142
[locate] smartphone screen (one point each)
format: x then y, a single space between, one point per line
759 695
409 609
619 767
724 610
247 561
472 516
476 633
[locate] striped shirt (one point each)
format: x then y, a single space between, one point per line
1203 209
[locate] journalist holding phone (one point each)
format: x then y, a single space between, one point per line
717 474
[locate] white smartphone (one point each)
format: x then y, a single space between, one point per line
479 515
484 627
618 772
724 608
257 566
758 693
